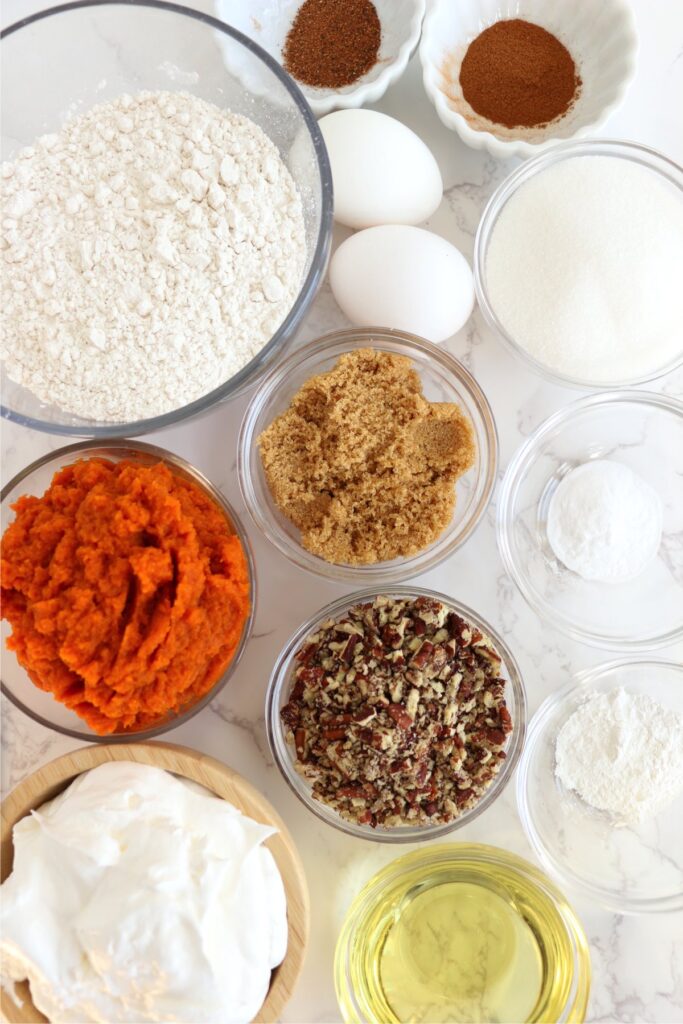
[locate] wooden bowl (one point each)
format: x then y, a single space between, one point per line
54 777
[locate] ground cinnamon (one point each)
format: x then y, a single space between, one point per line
518 75
332 43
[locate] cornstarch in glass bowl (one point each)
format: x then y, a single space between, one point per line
622 753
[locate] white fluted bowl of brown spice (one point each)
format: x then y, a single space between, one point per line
341 53
554 103
396 716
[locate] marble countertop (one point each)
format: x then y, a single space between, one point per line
637 961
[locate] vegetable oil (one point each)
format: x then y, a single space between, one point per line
461 933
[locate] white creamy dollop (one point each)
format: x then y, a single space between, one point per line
136 896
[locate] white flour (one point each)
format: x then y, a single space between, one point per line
150 250
604 522
622 753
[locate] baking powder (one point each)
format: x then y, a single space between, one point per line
604 522
150 250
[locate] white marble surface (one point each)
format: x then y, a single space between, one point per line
637 962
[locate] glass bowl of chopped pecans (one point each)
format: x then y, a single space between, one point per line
396 715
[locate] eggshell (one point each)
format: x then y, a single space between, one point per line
405 278
382 172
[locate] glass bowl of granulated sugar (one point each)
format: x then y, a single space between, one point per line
578 263
600 785
166 203
590 520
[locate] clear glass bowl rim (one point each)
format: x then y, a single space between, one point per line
245 377
112 446
380 572
582 681
646 156
281 676
507 495
483 853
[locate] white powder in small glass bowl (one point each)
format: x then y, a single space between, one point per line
604 522
622 753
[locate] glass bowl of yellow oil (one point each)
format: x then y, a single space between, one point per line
461 932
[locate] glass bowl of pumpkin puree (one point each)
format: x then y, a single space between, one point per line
128 591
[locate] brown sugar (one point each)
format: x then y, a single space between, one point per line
363 464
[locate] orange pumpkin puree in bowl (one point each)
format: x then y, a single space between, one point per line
126 589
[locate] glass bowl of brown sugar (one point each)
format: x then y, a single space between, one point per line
368 455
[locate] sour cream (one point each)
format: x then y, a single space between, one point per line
136 896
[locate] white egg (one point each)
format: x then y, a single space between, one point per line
403 277
382 172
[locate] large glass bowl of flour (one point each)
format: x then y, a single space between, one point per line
578 262
239 270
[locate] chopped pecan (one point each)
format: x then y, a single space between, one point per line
397 713
400 716
496 736
505 719
351 644
422 655
300 744
334 734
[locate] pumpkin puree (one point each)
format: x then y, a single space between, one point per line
126 591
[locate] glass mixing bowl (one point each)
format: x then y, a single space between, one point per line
35 480
278 695
67 59
443 378
659 166
486 937
629 870
643 431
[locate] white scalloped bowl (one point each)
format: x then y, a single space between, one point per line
267 22
601 38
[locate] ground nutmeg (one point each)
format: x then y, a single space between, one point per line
518 75
332 43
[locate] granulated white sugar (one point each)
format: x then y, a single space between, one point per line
584 269
150 250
